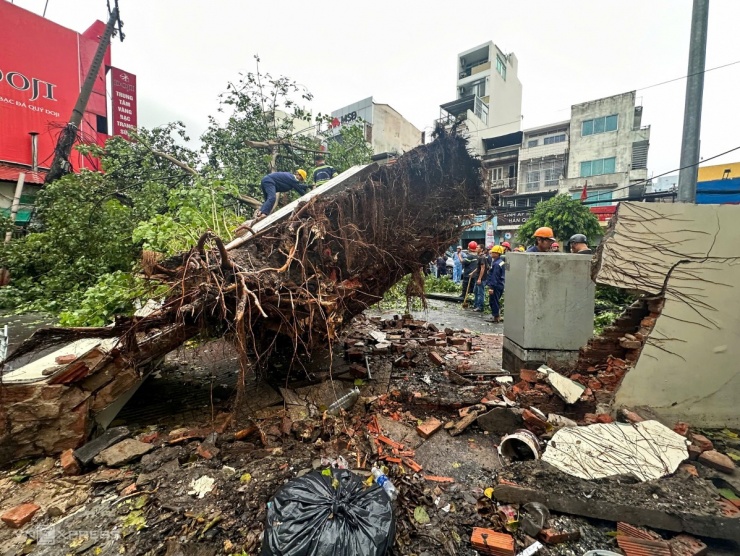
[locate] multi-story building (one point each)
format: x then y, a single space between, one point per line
543 157
489 95
387 131
608 150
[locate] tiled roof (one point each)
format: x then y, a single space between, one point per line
9 172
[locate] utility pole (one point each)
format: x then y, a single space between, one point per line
67 137
692 110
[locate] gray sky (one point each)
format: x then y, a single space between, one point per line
403 53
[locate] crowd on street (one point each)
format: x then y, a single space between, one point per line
481 271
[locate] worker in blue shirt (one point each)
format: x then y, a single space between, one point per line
280 182
323 172
543 240
495 282
276 182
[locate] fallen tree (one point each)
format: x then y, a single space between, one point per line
294 284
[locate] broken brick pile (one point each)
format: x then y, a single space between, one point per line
601 366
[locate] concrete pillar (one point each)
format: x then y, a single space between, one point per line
549 309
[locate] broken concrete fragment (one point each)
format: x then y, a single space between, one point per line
87 453
122 453
686 545
568 390
718 461
65 359
630 344
69 463
647 450
694 451
500 420
429 427
20 515
558 421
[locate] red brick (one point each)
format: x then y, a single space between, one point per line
149 438
429 427
534 423
589 419
544 388
688 468
20 515
702 442
529 375
551 536
488 541
648 322
436 358
69 463
457 341
65 359
694 452
637 532
207 451
523 386
728 509
631 416
686 545
604 418
681 428
130 489
578 378
639 547
594 385
358 370
715 460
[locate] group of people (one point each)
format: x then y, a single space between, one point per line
479 270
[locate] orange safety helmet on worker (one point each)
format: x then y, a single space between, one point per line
543 240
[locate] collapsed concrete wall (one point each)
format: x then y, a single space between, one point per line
689 254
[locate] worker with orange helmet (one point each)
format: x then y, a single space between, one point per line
280 182
543 240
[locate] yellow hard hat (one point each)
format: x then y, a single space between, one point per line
497 249
301 172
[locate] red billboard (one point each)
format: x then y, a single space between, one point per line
42 67
123 95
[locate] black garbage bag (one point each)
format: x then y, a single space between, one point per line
329 515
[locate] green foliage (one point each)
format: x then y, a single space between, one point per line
113 294
348 149
440 285
566 216
258 107
603 320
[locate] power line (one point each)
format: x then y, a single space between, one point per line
687 76
643 182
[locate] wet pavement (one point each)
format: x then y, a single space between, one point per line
448 314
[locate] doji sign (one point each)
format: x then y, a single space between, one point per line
123 91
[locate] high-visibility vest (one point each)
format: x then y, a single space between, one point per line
323 174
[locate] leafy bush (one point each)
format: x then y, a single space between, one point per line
603 320
440 285
565 216
113 294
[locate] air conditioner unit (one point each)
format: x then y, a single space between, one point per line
461 90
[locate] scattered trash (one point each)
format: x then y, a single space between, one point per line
202 486
531 549
382 480
534 518
345 402
647 450
313 512
522 445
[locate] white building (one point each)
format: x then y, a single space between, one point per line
664 183
488 102
543 157
608 149
387 131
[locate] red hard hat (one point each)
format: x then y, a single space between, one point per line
506 244
472 245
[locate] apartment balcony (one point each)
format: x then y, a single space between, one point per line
460 109
503 184
543 151
471 72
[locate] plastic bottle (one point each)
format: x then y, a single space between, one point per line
382 480
345 402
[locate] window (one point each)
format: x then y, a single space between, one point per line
533 180
532 143
552 177
501 67
599 125
598 167
497 174
521 203
554 139
595 198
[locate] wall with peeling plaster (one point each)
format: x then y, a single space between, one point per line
689 368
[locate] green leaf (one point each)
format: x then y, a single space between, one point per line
421 516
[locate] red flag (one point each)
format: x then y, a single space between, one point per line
584 194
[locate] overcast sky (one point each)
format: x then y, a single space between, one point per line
184 52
